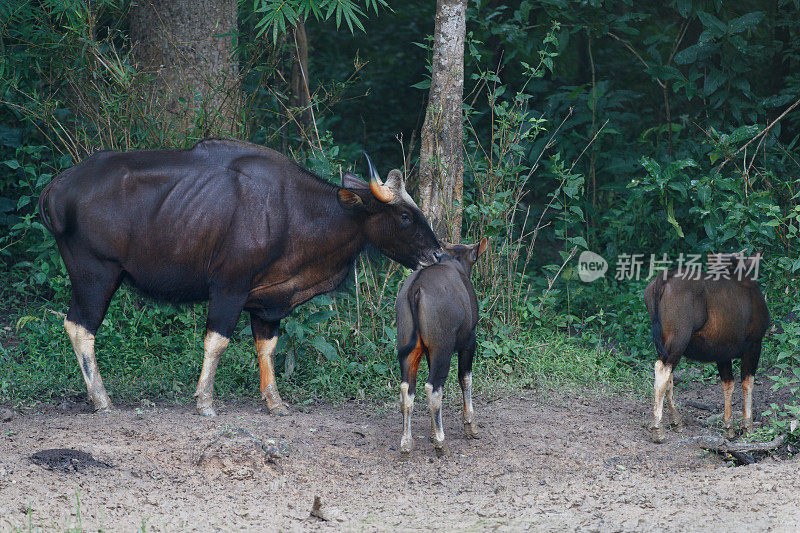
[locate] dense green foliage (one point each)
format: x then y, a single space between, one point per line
617 126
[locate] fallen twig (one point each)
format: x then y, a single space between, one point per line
699 405
723 445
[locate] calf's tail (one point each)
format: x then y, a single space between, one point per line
657 337
413 301
657 330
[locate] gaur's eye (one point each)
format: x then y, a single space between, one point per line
405 220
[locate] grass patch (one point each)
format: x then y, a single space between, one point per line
154 352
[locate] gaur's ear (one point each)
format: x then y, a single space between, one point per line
350 200
484 246
478 249
351 181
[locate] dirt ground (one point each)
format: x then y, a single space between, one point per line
555 461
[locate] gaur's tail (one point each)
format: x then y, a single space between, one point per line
657 331
413 300
44 215
57 215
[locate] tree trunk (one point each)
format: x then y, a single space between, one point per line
188 47
441 167
300 100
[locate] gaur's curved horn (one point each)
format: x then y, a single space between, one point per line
379 190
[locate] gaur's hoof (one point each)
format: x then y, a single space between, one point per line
438 445
471 430
440 449
747 426
206 410
278 409
406 450
657 435
102 404
730 434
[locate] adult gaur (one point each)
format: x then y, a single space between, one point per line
236 224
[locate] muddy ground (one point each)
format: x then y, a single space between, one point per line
550 461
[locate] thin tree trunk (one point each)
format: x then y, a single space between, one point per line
188 47
442 149
300 99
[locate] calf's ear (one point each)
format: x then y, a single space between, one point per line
477 250
350 200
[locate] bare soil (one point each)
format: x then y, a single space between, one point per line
551 461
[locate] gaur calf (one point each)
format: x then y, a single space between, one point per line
710 319
437 312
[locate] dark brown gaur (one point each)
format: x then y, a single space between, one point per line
236 224
437 312
707 320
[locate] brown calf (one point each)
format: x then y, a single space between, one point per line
437 312
708 320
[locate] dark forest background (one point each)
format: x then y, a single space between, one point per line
619 127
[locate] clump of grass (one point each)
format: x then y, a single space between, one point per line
154 351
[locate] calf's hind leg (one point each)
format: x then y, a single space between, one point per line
749 366
439 366
662 377
674 344
92 291
725 369
465 357
674 415
409 365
